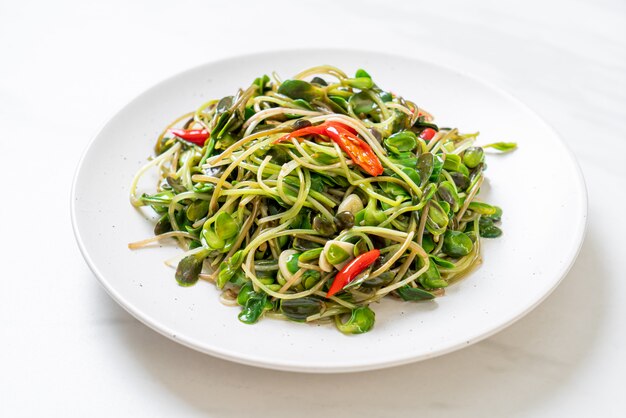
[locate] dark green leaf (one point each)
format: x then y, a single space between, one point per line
175 184
224 104
317 184
163 225
461 181
409 293
456 244
361 73
324 226
487 229
412 173
431 278
261 82
437 167
425 165
303 104
220 124
394 190
422 124
254 308
188 270
429 192
339 101
381 280
447 192
497 216
406 159
319 81
245 292
292 263
427 243
344 220
441 262
385 96
299 89
300 309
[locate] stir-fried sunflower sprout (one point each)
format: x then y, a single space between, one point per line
274 219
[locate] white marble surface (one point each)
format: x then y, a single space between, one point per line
66 349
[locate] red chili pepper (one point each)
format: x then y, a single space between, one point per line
310 130
195 136
357 150
428 134
351 270
344 136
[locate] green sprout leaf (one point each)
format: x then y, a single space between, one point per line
502 146
403 141
482 208
361 73
254 308
456 244
362 103
437 220
358 82
299 89
431 278
225 226
361 320
473 156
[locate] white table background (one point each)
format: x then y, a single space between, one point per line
67 349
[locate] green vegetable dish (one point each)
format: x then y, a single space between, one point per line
312 198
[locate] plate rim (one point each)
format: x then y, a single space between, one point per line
251 360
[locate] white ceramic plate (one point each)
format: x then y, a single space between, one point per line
540 188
